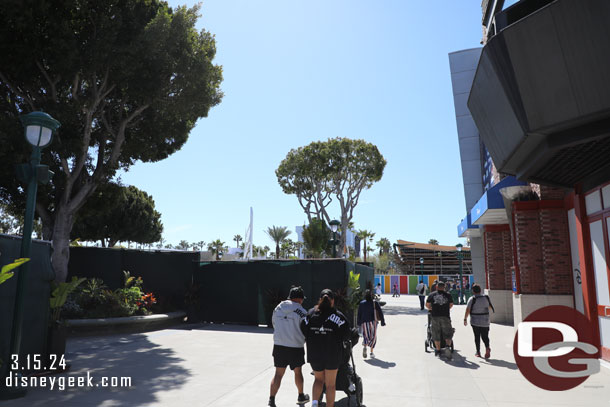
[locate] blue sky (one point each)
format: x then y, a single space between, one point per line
301 71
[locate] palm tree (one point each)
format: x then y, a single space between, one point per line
237 238
433 241
216 247
183 245
365 235
384 245
200 244
278 234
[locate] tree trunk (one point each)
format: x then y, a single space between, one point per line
364 249
61 245
277 251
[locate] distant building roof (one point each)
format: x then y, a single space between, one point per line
434 247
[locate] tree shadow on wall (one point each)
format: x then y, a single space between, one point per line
152 369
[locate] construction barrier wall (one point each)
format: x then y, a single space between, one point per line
36 305
167 274
407 284
247 292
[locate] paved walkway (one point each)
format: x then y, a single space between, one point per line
221 366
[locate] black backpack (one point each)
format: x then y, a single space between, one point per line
474 300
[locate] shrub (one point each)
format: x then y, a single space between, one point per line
95 300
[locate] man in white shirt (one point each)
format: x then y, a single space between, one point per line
421 291
289 343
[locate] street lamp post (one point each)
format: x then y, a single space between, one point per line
460 256
421 267
39 129
334 226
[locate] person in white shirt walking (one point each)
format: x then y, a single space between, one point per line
421 291
289 343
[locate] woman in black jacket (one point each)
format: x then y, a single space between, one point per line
369 314
325 329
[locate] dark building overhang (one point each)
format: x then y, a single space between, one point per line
541 94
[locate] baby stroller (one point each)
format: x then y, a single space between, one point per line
347 379
429 342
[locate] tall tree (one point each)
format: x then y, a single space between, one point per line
118 213
384 245
316 236
433 241
237 239
338 168
278 234
127 80
365 235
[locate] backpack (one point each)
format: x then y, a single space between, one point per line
474 300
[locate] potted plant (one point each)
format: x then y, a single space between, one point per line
56 339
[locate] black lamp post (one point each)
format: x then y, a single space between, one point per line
421 267
334 226
460 256
39 129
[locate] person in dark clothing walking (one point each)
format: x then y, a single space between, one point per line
439 303
325 328
369 315
478 308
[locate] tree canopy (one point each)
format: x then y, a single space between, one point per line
117 213
316 236
339 168
127 79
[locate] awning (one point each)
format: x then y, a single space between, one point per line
489 210
467 229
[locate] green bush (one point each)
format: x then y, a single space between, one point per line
94 299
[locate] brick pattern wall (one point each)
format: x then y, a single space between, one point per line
555 241
552 193
529 253
543 253
498 257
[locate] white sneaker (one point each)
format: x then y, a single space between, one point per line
372 355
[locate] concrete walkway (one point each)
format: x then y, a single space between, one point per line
221 365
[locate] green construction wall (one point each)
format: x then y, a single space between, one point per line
36 300
247 292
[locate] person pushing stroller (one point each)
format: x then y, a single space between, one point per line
439 303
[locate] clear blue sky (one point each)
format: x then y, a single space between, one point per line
299 71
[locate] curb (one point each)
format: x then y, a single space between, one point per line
136 323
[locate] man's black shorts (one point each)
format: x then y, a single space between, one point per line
284 356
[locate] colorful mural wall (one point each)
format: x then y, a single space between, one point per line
407 284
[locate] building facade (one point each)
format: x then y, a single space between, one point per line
540 100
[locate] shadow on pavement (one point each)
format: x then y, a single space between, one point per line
460 361
229 328
151 368
501 363
380 363
393 310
